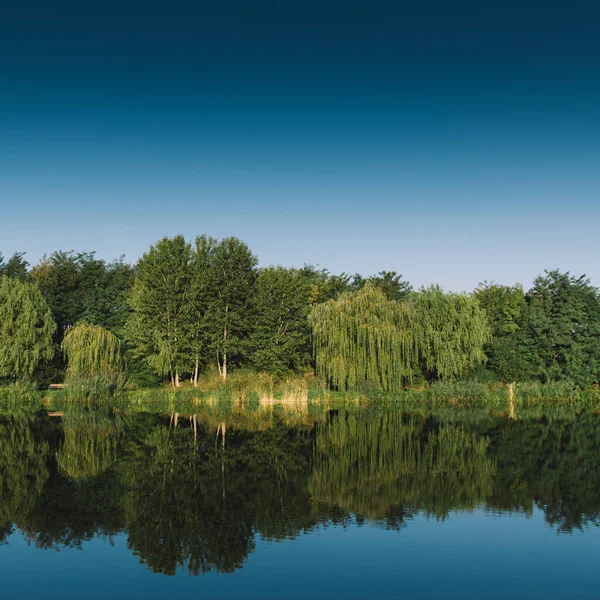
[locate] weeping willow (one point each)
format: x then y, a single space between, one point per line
364 337
92 350
450 332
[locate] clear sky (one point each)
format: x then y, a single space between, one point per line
449 141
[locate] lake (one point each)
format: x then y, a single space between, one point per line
355 503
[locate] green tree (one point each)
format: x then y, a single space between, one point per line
364 337
200 300
325 286
26 328
391 284
450 330
278 341
92 351
159 326
16 266
562 328
106 302
230 279
505 308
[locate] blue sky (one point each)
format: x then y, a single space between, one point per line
451 142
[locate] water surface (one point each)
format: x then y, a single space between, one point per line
349 503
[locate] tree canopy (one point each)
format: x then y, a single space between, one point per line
26 328
364 337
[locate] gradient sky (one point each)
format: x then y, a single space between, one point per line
452 142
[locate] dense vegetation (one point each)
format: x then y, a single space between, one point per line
186 309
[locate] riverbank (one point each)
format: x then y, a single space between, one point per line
260 391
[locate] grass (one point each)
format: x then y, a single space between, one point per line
249 391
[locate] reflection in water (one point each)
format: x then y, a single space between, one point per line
89 446
23 470
193 491
375 466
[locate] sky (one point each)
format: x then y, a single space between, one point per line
452 142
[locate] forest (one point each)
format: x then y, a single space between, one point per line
189 310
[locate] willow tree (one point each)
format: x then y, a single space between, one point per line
26 328
92 350
450 331
364 337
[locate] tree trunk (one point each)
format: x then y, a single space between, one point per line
224 373
511 401
196 373
177 384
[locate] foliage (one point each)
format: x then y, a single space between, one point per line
95 367
231 277
278 339
26 328
159 327
391 284
15 267
92 350
79 287
450 332
562 328
363 336
326 286
193 307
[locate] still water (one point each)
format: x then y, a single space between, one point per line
333 503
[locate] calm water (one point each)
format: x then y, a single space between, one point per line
354 504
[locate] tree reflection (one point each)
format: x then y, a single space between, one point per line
194 491
23 470
391 465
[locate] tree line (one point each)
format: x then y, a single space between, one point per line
188 307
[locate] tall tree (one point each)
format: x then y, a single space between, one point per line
16 266
80 287
562 328
200 296
159 327
231 283
92 350
278 341
326 286
451 331
364 337
26 328
505 308
108 286
391 284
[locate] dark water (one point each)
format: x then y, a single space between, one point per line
356 504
